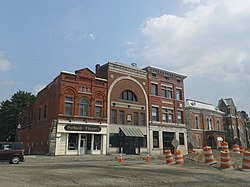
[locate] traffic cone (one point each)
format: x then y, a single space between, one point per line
120 159
148 158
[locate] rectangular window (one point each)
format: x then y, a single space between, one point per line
98 109
97 141
169 93
73 141
180 117
142 119
170 116
163 91
143 142
155 139
122 117
89 140
179 94
114 140
154 89
136 118
181 138
164 115
114 116
68 105
155 114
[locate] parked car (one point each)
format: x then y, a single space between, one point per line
12 152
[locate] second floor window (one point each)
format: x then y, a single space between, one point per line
136 118
218 124
180 117
155 114
163 91
98 109
142 119
196 122
68 106
122 117
114 116
84 108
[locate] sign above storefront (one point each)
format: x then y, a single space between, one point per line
88 128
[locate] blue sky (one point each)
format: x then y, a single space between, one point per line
207 40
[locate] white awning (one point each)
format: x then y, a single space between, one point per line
132 132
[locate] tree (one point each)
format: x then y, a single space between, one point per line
9 114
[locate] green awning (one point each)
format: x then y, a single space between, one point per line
132 131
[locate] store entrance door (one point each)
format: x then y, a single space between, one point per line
167 141
82 146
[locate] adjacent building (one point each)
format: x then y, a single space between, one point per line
118 109
68 117
167 123
204 124
234 123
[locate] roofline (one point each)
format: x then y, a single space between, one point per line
168 71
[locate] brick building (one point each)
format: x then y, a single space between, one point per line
167 123
127 107
119 108
204 124
234 123
68 116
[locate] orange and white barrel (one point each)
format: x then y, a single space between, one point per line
236 148
224 146
169 157
209 157
178 157
242 149
246 160
224 160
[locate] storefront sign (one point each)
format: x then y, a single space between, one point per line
88 128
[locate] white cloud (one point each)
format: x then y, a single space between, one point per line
5 65
211 39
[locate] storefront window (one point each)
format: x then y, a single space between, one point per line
89 137
181 138
113 140
143 142
73 142
97 142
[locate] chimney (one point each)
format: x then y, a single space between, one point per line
97 67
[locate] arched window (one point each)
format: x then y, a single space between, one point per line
129 96
218 124
207 124
196 122
84 107
210 124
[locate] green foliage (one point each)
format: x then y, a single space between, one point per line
9 114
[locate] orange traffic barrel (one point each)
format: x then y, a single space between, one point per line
148 158
236 148
178 157
120 159
224 160
224 146
246 160
209 157
169 157
242 149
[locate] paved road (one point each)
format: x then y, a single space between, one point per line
106 171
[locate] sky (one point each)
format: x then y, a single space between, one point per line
207 40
